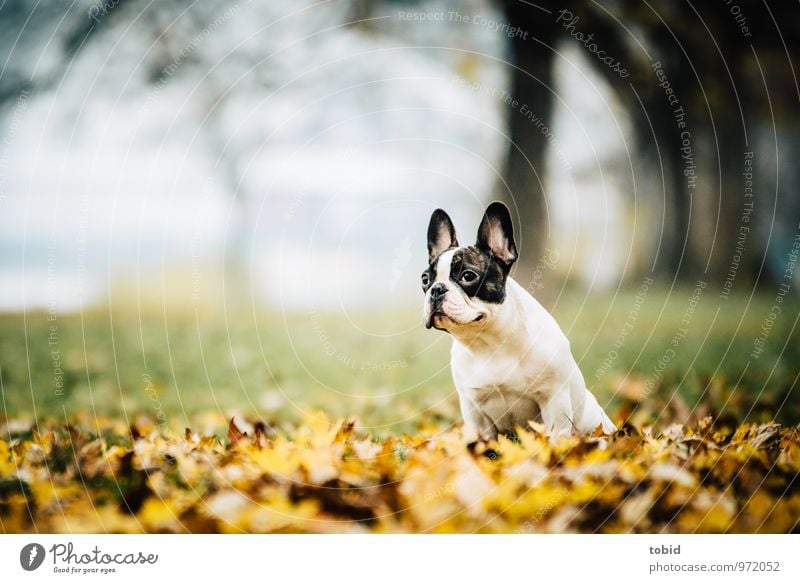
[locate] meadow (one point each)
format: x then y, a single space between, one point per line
692 350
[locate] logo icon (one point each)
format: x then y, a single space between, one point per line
31 556
401 257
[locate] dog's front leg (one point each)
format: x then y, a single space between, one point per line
557 413
477 426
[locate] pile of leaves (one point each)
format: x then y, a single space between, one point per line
331 477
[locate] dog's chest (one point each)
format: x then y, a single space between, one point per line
499 375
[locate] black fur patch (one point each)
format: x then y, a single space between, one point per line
489 280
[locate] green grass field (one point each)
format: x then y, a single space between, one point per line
180 363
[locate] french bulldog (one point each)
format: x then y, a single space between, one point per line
511 363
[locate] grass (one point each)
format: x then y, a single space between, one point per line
180 362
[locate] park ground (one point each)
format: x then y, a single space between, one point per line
119 419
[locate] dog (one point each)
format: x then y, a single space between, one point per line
510 361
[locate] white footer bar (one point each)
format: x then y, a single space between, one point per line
389 558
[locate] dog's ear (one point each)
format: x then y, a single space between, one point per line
441 234
496 234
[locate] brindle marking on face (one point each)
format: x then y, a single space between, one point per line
488 283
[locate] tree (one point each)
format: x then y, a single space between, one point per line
705 81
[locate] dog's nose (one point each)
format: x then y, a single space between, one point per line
437 291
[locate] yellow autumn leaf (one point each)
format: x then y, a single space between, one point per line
329 476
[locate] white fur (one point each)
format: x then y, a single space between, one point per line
514 365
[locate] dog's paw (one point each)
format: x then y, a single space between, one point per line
472 434
481 448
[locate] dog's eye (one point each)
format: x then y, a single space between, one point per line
425 279
469 276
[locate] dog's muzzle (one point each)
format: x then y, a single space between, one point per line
436 295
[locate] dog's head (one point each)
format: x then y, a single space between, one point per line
465 285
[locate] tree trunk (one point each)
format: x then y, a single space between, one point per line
529 106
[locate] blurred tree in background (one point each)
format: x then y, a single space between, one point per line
730 67
710 90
